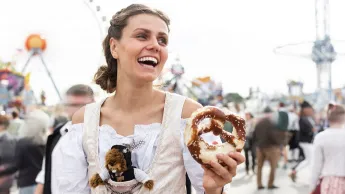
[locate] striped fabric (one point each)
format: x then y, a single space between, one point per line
333 185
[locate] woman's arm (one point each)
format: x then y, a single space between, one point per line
209 181
70 160
317 162
194 169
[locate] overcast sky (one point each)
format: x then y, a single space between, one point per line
230 40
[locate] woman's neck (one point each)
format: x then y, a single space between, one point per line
336 125
131 96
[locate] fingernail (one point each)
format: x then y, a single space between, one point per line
220 155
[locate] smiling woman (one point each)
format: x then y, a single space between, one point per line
134 38
148 121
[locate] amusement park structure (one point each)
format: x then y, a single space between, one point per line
322 54
36 45
202 89
96 10
12 85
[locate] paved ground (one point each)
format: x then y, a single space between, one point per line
246 184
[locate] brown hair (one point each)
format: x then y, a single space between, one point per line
80 90
106 76
4 120
336 114
15 114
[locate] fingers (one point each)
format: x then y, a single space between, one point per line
224 174
238 157
222 171
230 163
217 179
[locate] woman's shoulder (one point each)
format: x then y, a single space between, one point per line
78 117
189 107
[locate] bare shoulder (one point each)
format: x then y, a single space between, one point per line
78 116
189 107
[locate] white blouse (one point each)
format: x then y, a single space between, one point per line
329 155
70 162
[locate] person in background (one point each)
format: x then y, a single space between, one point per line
324 123
58 117
249 146
283 124
328 165
294 131
15 124
77 96
29 151
306 136
59 120
268 139
7 145
238 110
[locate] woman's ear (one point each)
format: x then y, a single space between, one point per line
113 47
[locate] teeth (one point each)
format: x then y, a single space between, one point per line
148 59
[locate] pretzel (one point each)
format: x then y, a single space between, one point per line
200 150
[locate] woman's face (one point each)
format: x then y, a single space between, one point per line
142 50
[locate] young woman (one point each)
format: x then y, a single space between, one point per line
150 120
329 158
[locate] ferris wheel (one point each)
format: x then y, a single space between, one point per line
97 11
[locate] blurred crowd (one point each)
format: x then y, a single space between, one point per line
296 135
27 141
300 137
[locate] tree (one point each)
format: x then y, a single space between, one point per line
233 97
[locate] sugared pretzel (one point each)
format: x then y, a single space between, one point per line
201 151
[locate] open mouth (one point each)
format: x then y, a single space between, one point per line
149 61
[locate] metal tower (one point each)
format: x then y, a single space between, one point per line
322 53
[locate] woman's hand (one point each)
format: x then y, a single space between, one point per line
215 178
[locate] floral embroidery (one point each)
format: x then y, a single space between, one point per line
135 145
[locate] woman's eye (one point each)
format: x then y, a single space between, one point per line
162 41
141 36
